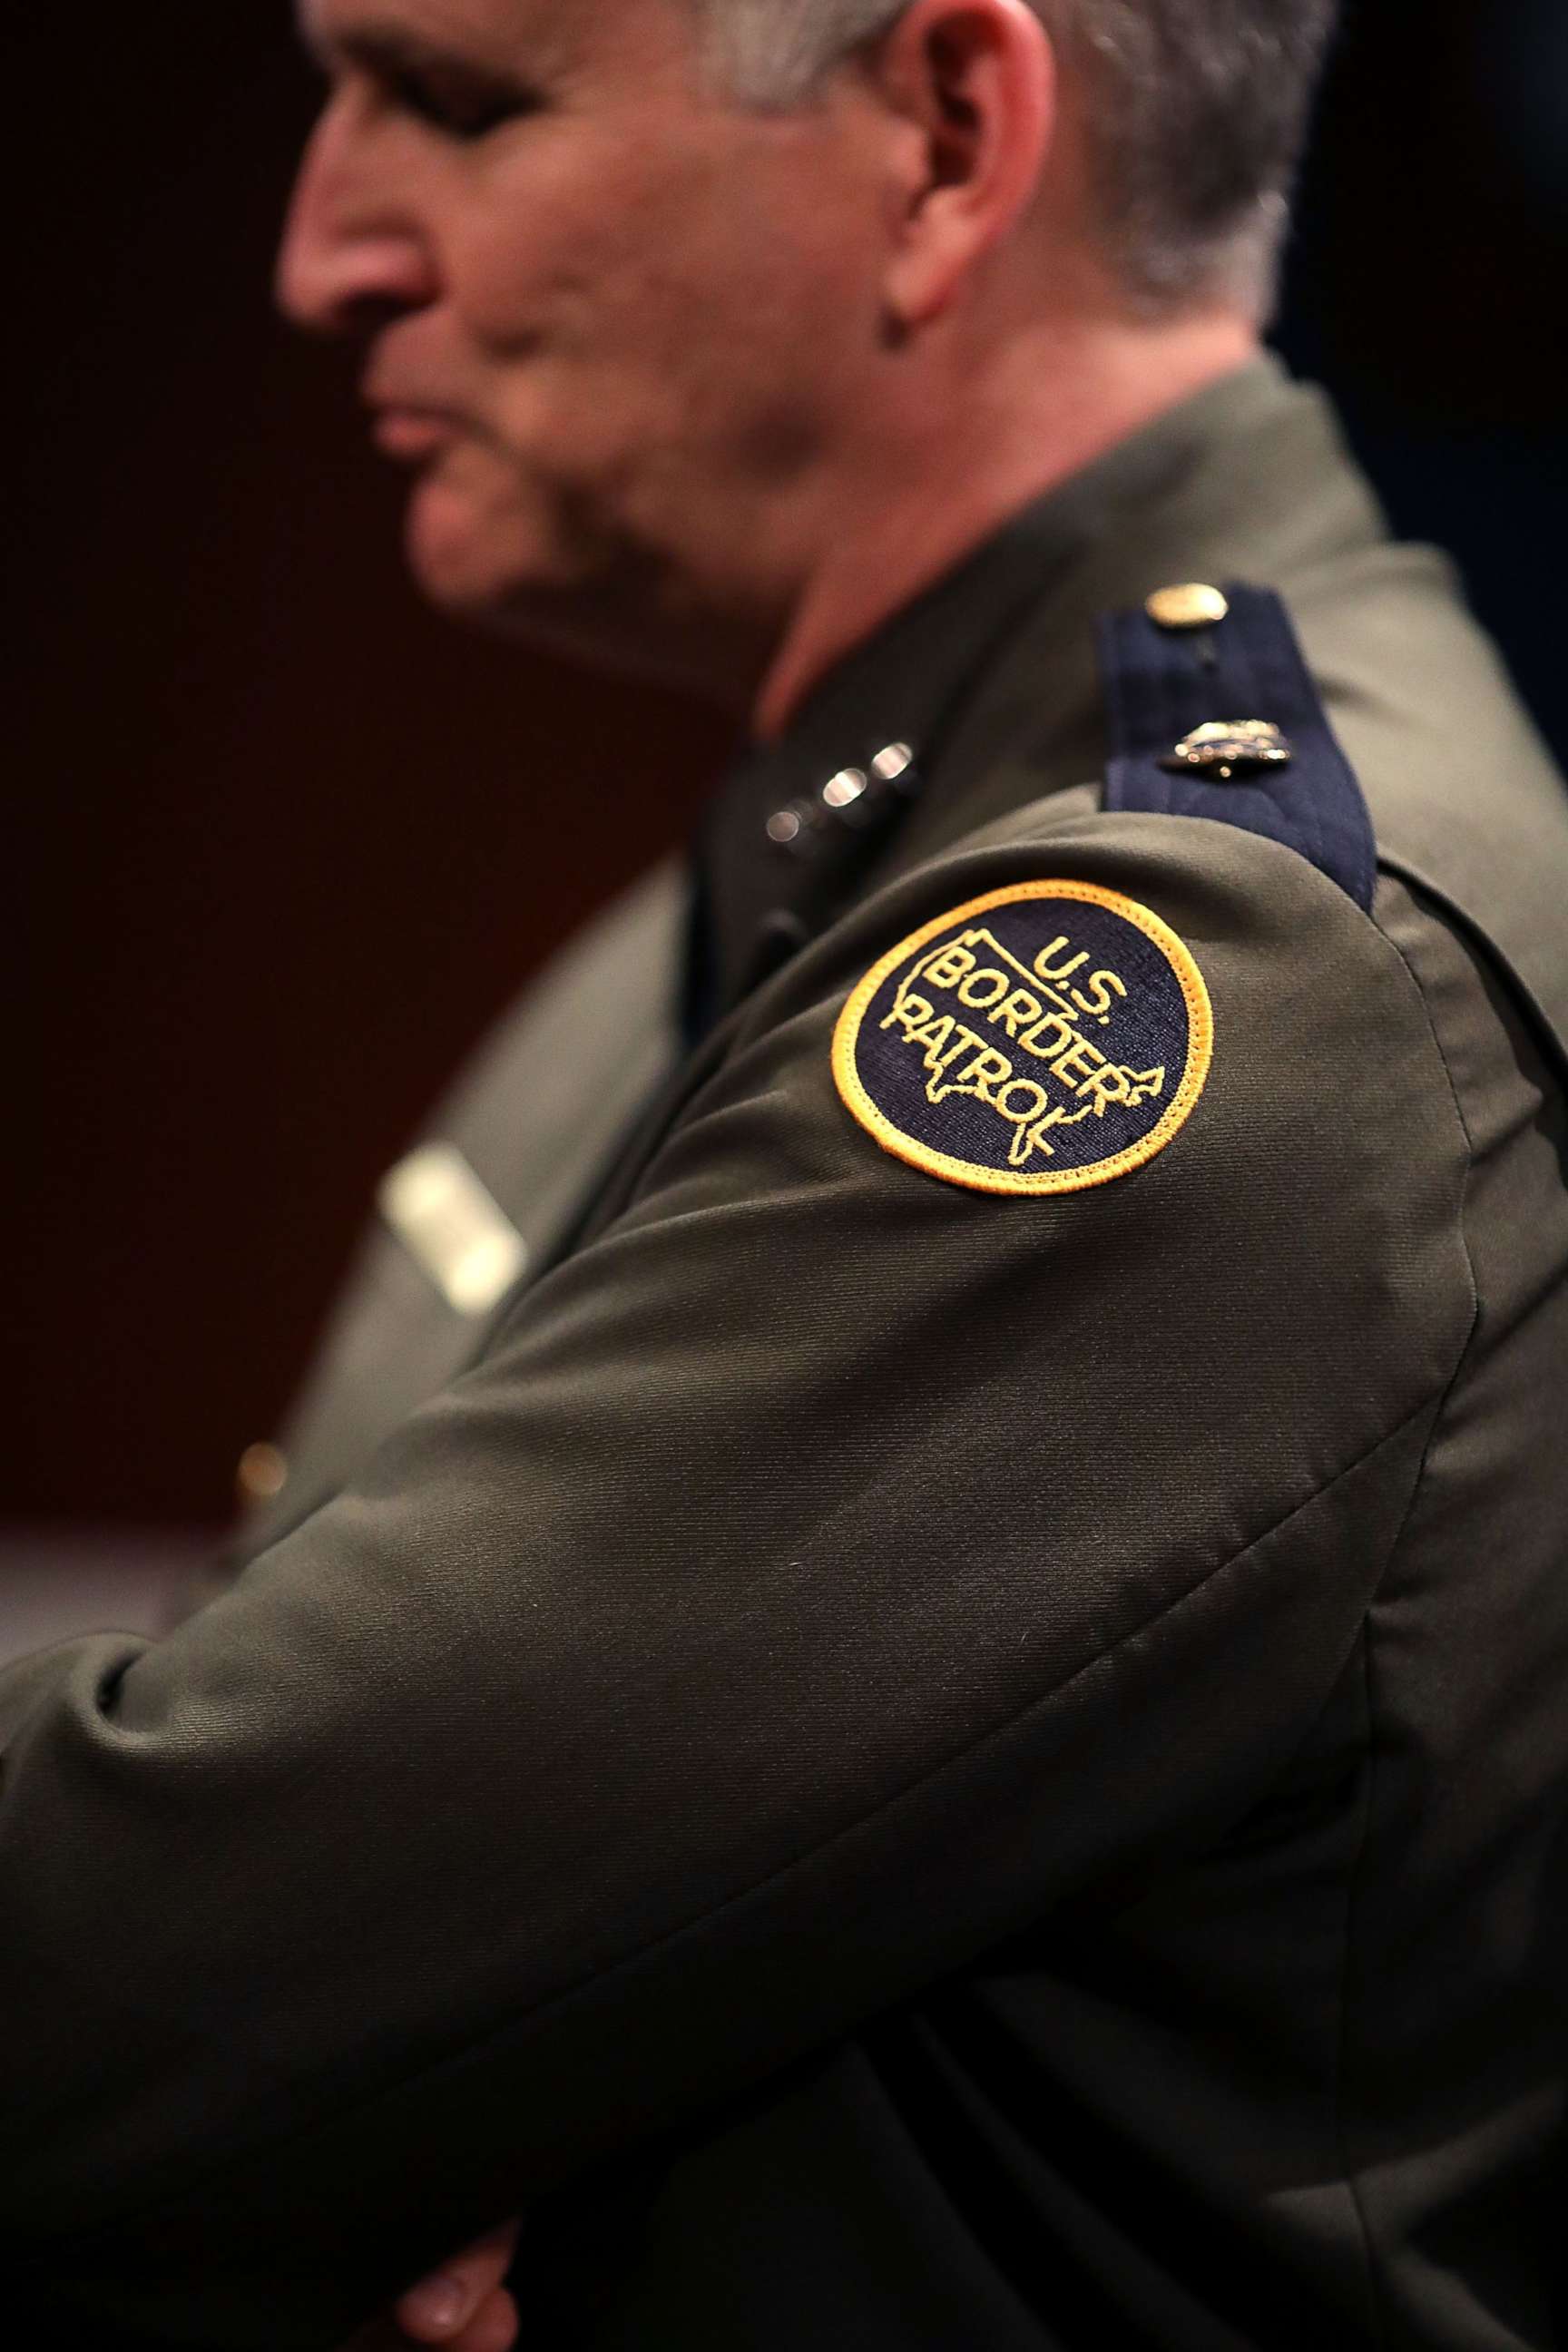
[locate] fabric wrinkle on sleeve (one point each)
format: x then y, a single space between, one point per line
830 1571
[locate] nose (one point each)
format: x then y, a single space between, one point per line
351 252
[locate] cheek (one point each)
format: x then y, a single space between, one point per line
621 249
645 330
552 249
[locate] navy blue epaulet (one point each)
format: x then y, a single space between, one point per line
1214 713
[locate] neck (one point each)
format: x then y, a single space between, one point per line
897 522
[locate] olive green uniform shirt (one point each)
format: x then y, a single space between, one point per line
898 1765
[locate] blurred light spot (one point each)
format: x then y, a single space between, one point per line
447 1221
262 1472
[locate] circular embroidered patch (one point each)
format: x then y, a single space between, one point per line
1043 1038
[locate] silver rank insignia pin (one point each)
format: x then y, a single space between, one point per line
1229 748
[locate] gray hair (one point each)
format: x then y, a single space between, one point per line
1197 111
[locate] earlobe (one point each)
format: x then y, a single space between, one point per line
978 78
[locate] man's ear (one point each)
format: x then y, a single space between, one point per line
977 80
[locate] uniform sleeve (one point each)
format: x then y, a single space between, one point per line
831 1571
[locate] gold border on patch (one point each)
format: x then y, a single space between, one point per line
978 1178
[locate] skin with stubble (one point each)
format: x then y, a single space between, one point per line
705 392
699 390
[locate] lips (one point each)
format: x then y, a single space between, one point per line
410 418
411 434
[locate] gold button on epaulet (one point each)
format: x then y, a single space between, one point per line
1193 605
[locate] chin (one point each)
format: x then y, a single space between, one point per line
464 560
554 583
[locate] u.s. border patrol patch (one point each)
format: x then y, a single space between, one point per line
1043 1038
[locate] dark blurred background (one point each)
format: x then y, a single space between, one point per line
281 842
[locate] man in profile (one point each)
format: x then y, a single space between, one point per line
952 1737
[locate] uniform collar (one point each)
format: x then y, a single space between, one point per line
797 821
1000 650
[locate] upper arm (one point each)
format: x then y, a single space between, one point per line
830 1569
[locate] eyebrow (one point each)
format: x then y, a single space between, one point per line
389 50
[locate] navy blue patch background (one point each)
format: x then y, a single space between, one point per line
1151 1027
